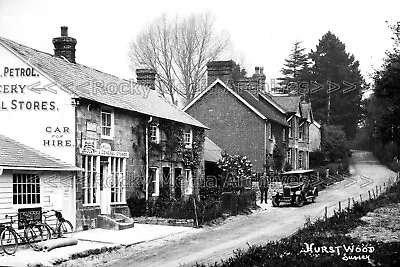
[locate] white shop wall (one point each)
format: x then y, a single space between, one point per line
49 128
56 192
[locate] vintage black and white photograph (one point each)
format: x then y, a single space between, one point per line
199 133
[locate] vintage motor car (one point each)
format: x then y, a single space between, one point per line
296 188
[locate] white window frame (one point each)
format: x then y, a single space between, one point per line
111 127
270 131
154 133
91 180
289 156
290 135
188 182
188 138
284 134
24 185
301 132
300 160
118 174
156 182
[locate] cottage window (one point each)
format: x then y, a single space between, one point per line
26 188
118 180
301 159
154 133
270 130
289 156
188 182
154 182
291 128
283 134
90 184
107 122
188 139
301 131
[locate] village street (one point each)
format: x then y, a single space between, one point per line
213 244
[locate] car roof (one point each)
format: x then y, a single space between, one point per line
298 172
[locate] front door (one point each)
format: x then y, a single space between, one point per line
178 183
105 190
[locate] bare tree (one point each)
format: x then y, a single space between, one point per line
179 49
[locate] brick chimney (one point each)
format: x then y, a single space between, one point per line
220 70
254 84
147 77
260 76
64 46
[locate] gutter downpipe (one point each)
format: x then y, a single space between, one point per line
147 158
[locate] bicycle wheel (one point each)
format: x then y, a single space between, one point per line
65 229
36 233
9 241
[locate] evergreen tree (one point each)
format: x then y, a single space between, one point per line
238 72
331 63
294 68
385 109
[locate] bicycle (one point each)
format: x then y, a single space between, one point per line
63 227
33 232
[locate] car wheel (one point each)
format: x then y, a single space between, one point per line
299 201
275 202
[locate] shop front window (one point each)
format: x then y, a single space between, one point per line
90 183
117 180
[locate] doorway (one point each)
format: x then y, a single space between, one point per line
105 190
178 183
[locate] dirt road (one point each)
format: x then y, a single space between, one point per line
218 243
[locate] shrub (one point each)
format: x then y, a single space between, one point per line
208 208
137 206
316 159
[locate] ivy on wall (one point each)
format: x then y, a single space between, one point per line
172 143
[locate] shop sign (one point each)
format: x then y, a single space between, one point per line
88 146
29 215
105 147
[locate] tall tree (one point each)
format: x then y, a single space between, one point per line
338 103
295 65
179 49
385 109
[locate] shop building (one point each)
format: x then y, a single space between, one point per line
121 133
31 182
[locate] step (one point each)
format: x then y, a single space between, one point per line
108 222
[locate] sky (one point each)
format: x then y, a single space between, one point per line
262 32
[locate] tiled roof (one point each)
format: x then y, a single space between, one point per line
212 152
289 103
15 154
83 82
267 111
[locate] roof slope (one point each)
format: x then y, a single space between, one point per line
262 110
267 111
88 83
15 154
289 103
212 152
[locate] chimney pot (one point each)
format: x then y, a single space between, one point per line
261 70
64 31
257 70
64 46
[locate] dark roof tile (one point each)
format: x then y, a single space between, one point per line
82 81
15 154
